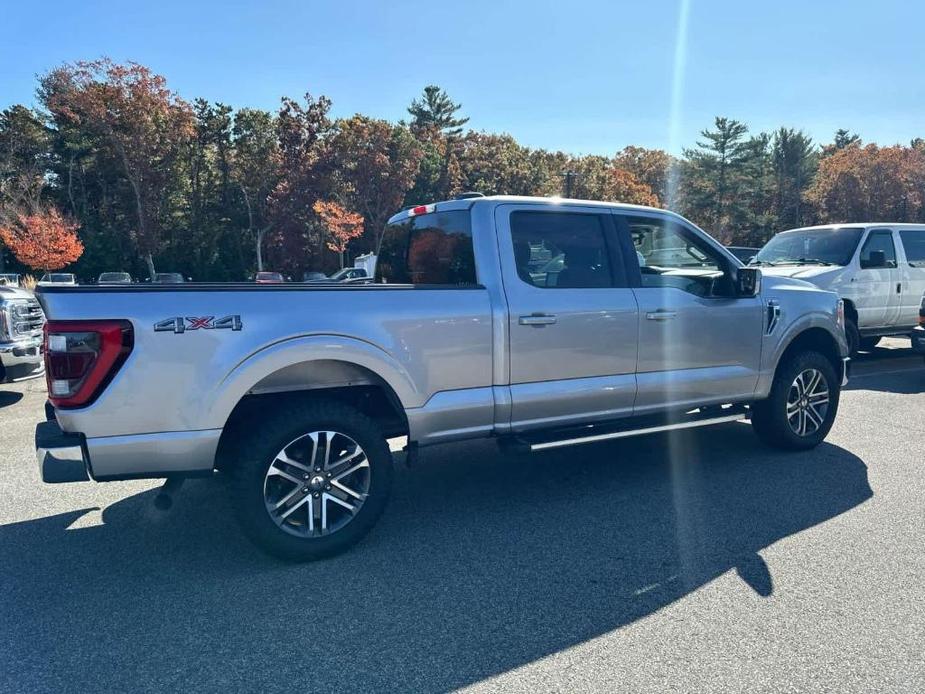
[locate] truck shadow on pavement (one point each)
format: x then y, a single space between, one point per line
480 564
9 397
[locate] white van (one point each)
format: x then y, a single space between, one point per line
878 269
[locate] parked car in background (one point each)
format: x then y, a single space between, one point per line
13 279
269 278
878 269
349 273
743 253
114 278
314 276
58 278
21 321
168 278
296 392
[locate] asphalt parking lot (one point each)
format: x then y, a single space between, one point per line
697 562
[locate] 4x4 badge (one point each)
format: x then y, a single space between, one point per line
181 324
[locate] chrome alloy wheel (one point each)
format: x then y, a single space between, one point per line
316 484
807 402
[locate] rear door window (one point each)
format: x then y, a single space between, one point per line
563 250
429 249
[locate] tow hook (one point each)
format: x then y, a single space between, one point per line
164 499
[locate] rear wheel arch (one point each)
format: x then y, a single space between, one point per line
297 384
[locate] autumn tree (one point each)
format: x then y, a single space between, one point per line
342 226
306 165
653 167
256 171
856 183
377 163
499 165
625 187
130 110
44 240
25 151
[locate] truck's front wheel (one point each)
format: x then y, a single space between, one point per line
802 405
309 481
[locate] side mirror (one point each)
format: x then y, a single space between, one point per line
748 281
874 260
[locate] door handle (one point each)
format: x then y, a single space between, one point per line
537 319
661 315
899 288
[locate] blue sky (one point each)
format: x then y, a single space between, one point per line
584 77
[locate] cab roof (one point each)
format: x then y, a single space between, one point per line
468 203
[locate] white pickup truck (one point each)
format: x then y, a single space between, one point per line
877 269
542 323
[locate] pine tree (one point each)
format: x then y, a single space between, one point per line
714 177
795 162
436 110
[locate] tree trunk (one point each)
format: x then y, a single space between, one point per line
139 207
260 234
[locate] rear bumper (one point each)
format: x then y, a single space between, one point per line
72 457
62 457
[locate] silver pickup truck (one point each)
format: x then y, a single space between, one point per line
540 322
21 322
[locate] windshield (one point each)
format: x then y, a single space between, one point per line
829 246
115 277
58 277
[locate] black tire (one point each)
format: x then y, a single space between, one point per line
769 417
853 336
869 343
256 451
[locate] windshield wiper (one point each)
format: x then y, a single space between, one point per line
761 262
812 261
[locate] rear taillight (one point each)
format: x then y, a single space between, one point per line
81 357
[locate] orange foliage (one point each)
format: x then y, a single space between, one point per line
866 183
625 187
46 241
342 225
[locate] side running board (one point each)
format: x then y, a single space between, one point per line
548 440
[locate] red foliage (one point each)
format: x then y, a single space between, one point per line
342 226
44 241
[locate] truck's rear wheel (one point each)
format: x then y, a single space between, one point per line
311 480
802 405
